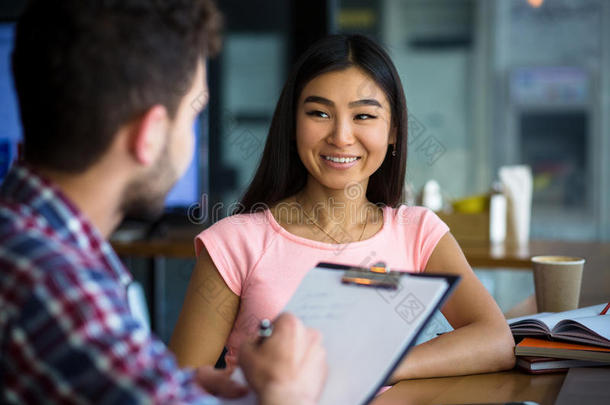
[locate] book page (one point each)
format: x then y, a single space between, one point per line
529 325
593 329
546 321
552 319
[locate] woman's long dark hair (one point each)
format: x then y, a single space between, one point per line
281 173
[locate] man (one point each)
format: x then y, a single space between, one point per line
108 93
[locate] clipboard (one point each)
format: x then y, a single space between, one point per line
369 319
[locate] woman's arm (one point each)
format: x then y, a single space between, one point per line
206 318
481 341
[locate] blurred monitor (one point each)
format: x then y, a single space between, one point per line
10 128
188 189
185 192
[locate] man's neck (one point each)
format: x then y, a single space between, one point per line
92 194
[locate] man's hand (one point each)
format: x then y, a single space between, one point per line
218 382
287 368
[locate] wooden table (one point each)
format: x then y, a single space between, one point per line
508 386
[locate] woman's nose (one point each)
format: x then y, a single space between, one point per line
342 134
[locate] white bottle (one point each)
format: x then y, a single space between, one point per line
432 197
497 215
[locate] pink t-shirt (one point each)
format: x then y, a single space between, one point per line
263 263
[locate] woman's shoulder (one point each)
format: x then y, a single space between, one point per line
409 215
243 234
415 219
255 222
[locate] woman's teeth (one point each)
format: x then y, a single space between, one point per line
341 160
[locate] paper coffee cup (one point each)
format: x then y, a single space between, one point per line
557 281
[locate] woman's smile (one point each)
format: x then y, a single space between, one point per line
341 162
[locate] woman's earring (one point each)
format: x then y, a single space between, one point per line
394 150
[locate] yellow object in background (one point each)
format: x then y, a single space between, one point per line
472 205
542 181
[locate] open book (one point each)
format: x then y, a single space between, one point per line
583 325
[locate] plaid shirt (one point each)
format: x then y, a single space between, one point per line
66 332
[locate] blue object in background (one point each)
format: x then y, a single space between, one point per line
10 128
186 190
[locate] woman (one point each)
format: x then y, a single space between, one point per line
330 176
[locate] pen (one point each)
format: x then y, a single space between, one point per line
605 309
265 329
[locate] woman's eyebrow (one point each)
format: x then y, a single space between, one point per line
365 101
357 103
318 99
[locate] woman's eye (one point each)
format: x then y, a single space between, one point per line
365 117
316 113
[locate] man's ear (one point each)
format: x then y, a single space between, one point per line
149 135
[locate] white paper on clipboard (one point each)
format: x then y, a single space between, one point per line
366 331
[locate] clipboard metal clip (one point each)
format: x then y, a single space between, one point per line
378 275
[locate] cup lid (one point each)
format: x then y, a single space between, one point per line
558 259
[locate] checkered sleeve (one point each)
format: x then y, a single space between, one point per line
79 343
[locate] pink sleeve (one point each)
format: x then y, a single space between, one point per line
431 230
228 250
